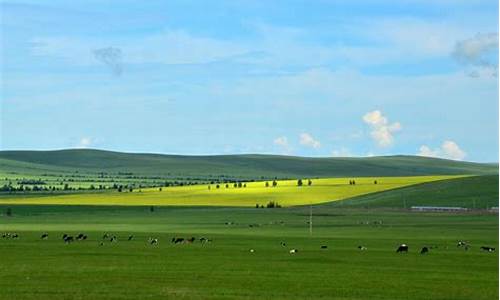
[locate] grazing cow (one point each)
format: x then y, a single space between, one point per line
113 239
44 236
293 251
461 244
283 244
81 237
64 236
362 248
15 235
424 250
153 241
105 236
101 244
402 248
324 247
68 239
252 251
130 237
489 249
177 240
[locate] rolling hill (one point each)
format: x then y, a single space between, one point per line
248 166
470 192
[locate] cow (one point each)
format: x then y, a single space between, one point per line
153 241
486 248
283 244
362 248
68 239
190 240
64 236
177 240
324 247
293 251
81 237
44 236
130 237
14 235
424 250
105 236
252 251
402 248
113 239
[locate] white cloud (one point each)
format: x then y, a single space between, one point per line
307 140
281 141
342 152
381 131
85 142
448 150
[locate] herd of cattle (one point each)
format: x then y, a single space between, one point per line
66 238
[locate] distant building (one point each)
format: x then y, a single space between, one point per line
438 208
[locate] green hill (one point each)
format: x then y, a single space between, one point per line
470 192
250 166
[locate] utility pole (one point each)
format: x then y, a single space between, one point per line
310 219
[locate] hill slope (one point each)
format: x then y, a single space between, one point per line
250 166
470 192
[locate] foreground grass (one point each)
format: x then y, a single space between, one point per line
225 269
287 193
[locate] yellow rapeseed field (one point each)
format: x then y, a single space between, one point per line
286 193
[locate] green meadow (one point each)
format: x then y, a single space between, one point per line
248 256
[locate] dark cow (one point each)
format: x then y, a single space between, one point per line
489 249
14 235
113 239
153 241
44 236
362 248
130 237
177 240
81 237
283 244
324 247
105 236
424 250
402 248
68 239
64 236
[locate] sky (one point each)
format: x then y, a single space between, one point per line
307 78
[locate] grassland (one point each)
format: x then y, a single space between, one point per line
225 269
286 193
475 192
369 214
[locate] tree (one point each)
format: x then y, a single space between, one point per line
240 184
227 185
267 184
8 212
275 183
309 182
299 182
217 186
159 189
375 182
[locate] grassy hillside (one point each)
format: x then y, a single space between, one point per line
248 166
286 193
477 191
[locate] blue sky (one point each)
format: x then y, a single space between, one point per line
312 78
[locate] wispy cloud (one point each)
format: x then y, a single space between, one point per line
449 150
282 142
480 51
308 140
85 142
111 57
382 132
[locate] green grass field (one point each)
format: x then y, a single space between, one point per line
286 193
225 269
344 217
